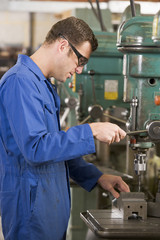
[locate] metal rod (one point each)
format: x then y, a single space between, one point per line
100 16
133 8
114 118
139 183
85 120
93 90
137 132
134 104
65 114
93 9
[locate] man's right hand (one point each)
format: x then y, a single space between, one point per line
107 132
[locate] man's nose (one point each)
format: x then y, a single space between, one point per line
79 69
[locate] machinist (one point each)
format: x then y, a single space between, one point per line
36 156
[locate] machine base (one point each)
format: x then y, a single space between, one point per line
109 224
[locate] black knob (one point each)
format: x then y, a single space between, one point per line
91 72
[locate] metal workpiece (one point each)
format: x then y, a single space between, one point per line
132 205
126 220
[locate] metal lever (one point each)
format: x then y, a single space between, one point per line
114 118
137 132
85 120
97 109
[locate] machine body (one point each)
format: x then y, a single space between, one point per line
139 41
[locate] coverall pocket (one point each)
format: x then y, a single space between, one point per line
29 194
51 113
49 107
33 196
9 212
50 215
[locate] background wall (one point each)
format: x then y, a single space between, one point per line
16 28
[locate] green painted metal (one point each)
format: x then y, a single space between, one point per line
141 67
127 14
156 28
137 31
107 63
89 17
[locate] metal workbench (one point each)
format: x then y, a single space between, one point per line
108 224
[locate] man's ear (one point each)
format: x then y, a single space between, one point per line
63 46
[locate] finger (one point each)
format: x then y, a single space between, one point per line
114 193
114 135
122 134
123 187
111 139
117 138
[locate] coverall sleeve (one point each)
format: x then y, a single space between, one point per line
84 174
36 134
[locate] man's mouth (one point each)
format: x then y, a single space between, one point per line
70 75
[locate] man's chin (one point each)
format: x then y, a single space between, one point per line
61 80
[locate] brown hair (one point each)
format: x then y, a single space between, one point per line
75 30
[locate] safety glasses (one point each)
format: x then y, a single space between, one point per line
81 59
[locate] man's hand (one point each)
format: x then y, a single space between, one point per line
108 182
107 132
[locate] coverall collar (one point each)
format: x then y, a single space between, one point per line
29 63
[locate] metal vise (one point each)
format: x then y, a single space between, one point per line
132 205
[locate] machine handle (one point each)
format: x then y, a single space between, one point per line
114 118
137 132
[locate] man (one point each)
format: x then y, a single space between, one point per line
36 157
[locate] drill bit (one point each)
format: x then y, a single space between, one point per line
139 183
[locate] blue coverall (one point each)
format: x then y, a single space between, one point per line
37 158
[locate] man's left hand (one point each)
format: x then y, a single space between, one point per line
108 182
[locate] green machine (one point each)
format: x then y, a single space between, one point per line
101 82
131 215
141 48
